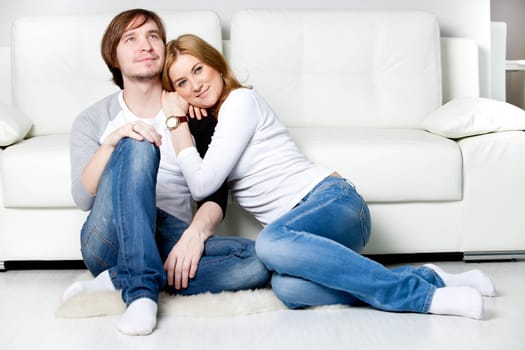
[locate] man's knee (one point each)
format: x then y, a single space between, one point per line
139 155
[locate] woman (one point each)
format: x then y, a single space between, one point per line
315 221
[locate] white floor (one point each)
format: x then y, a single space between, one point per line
28 300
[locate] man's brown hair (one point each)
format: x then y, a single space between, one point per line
121 23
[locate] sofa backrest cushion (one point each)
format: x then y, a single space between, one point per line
58 70
459 68
368 68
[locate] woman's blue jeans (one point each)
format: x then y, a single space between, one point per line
126 234
314 253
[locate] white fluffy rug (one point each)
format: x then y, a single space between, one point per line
202 305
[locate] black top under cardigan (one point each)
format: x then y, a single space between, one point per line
202 131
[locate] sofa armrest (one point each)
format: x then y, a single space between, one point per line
494 192
14 125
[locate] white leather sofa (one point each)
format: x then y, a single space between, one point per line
361 91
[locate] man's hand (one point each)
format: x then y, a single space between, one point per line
137 130
183 260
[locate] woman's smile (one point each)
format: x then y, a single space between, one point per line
203 94
196 82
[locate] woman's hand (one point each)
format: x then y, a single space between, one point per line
137 130
196 112
183 260
173 104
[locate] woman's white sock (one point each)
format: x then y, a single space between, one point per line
140 317
458 301
100 283
472 278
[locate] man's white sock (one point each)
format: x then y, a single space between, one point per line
458 301
140 317
473 278
100 283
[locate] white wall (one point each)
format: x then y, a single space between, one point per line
464 18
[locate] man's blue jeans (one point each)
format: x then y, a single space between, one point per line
126 234
314 253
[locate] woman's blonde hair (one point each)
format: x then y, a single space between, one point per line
193 45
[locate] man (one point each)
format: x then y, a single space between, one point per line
137 237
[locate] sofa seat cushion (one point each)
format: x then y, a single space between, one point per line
36 173
388 165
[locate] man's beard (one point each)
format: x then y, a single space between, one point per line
145 77
148 76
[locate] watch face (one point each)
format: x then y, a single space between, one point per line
172 122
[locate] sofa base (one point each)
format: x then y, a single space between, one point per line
479 256
72 264
494 255
386 259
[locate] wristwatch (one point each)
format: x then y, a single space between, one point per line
173 121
